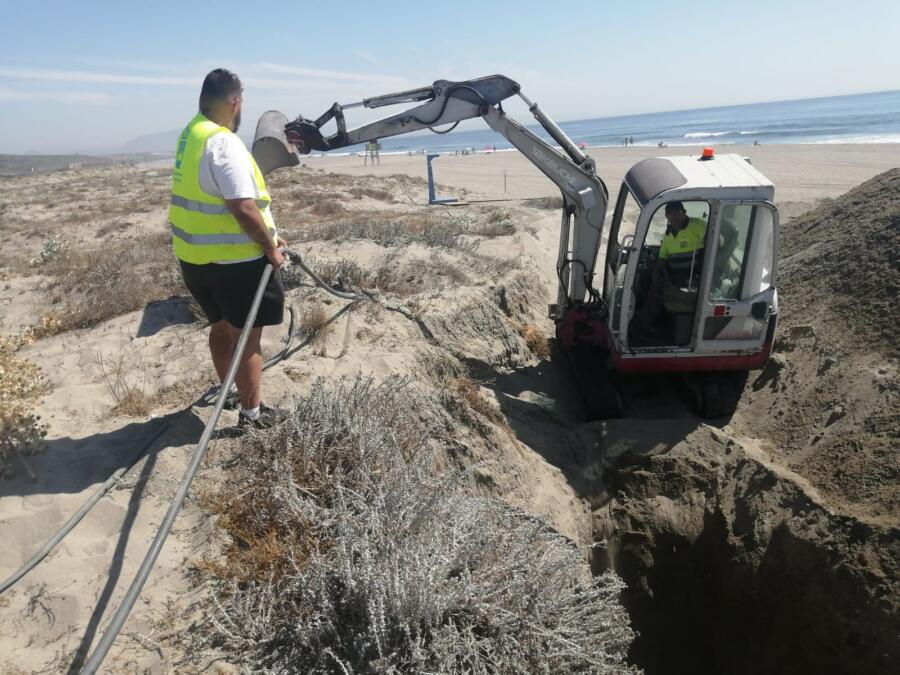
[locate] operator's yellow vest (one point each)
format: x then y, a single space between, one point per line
203 229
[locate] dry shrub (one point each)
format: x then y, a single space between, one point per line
327 207
545 203
466 389
438 232
49 324
105 282
439 365
313 323
342 274
489 229
53 247
21 383
128 393
409 277
402 278
537 342
497 223
374 193
373 564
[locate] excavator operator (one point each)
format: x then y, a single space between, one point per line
680 261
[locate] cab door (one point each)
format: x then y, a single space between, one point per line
620 254
739 297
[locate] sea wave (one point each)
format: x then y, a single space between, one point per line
854 140
706 134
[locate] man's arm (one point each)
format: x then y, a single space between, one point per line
246 212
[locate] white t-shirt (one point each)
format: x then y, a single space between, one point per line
227 171
225 168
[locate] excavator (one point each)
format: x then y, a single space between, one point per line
716 307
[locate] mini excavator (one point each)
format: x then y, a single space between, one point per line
717 306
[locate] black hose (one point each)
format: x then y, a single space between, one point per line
295 258
114 479
131 596
444 107
80 513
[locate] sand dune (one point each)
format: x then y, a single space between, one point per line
675 498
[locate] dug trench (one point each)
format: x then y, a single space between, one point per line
733 563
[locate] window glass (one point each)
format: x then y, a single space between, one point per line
744 253
630 214
764 240
734 230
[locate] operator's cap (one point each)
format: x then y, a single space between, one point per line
672 207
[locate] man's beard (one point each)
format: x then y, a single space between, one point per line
236 122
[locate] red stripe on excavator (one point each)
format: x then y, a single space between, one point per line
681 364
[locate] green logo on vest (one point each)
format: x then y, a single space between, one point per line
182 144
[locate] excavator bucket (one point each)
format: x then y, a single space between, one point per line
271 149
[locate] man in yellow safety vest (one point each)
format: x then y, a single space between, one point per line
223 234
680 263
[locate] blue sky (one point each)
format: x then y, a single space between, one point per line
87 76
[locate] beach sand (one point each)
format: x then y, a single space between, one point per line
45 617
803 174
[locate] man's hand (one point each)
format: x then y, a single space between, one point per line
275 256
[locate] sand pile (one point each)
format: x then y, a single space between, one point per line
828 399
840 266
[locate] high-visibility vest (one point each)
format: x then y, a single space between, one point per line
203 229
687 240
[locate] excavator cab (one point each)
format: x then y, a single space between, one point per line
710 309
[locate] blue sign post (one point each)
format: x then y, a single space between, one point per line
432 198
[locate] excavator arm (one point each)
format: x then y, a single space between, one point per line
584 195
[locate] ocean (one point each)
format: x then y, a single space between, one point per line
860 118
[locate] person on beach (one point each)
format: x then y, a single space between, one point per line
223 235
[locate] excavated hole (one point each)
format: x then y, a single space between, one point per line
710 603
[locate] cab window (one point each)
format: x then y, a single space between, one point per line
697 210
744 253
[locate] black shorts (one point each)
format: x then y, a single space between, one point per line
226 291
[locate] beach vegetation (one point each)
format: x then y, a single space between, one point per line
545 203
125 384
21 385
348 552
93 284
537 342
314 324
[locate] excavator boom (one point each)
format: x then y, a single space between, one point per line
584 195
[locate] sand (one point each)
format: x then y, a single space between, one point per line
537 462
802 174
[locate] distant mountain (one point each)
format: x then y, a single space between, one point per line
159 142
